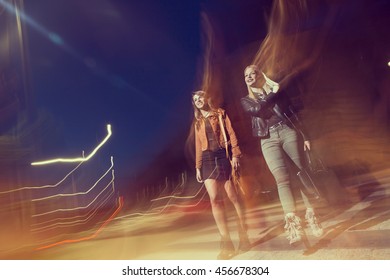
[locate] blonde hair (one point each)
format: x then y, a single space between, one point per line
254 67
261 78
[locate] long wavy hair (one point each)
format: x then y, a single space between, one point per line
197 113
197 120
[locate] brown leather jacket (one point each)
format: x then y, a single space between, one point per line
201 141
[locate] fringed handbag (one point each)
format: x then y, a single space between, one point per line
235 173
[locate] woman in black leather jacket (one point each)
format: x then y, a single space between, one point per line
278 128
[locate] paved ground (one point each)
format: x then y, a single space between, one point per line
359 229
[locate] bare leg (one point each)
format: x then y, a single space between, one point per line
218 210
244 244
217 206
232 195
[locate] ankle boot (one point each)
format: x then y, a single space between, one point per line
227 249
313 223
293 228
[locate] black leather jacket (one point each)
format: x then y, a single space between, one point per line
275 103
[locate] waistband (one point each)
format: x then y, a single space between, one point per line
279 124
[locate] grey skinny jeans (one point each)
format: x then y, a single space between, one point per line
283 141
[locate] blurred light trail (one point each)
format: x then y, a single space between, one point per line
180 205
78 193
64 222
120 206
45 186
162 208
178 197
55 38
174 196
81 207
78 159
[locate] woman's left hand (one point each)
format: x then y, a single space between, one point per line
306 145
236 163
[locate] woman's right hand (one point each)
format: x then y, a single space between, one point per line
199 176
306 145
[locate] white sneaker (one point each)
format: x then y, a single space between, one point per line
312 221
293 228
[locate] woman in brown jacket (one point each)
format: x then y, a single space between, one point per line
214 139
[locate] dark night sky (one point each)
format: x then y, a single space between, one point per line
127 63
132 64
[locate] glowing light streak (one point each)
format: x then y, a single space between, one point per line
120 206
178 197
64 224
45 186
163 208
38 227
181 205
92 211
77 208
78 193
173 196
78 159
53 37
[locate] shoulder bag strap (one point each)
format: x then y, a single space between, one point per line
221 124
